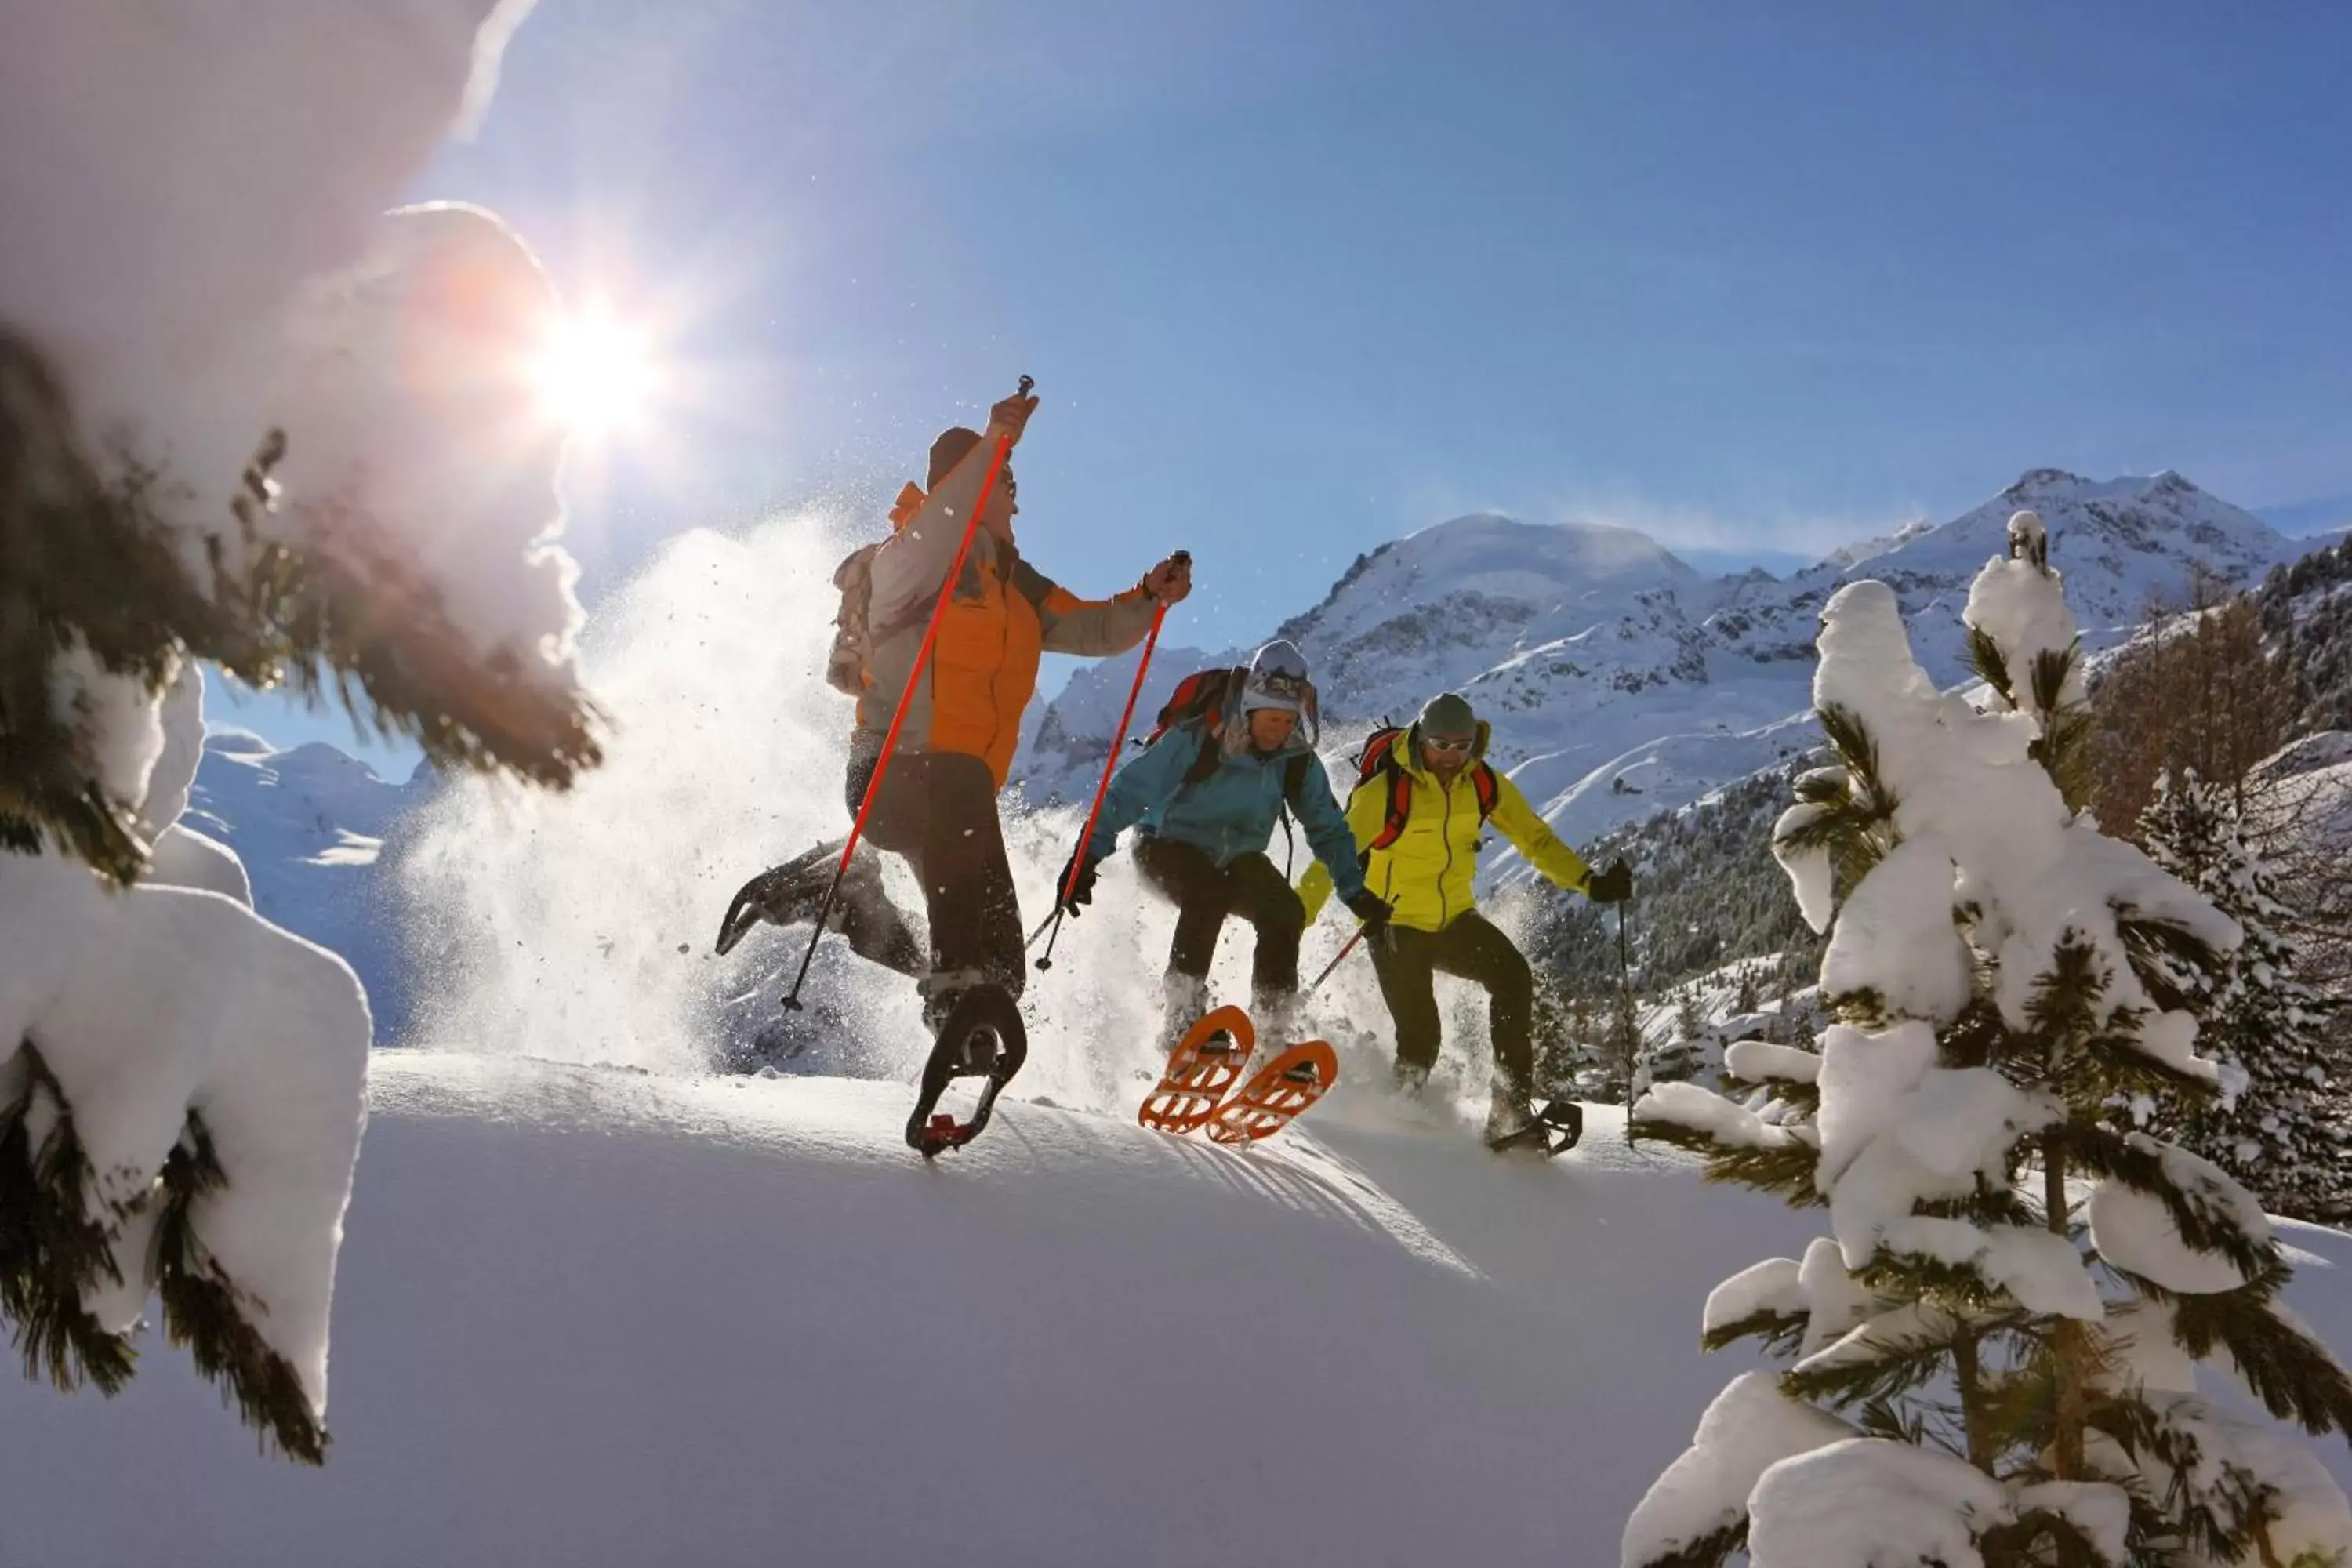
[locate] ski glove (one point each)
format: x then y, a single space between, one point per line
1071 893
1614 886
1371 909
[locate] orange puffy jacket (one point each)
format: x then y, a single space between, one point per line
1003 614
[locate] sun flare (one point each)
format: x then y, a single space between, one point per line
597 374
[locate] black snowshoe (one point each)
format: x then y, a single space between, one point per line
1554 1129
982 1037
782 895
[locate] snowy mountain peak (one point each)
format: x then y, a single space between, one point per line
1620 680
2120 541
1487 558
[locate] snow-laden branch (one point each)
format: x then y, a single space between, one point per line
245 416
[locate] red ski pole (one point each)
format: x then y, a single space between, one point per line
906 700
1110 765
1342 954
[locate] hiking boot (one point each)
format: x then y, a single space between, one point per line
977 1051
788 894
1184 999
1275 1014
1509 1115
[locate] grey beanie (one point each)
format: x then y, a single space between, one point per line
1447 717
1277 678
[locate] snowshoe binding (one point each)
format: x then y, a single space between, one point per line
1275 1095
980 1036
1551 1128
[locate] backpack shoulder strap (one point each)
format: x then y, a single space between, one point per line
1400 801
1293 778
1488 787
1205 760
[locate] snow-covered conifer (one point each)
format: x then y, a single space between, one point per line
2277 1127
1990 1357
245 416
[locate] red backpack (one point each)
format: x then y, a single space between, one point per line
1379 756
1200 695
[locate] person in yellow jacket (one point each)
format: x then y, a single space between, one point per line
1419 816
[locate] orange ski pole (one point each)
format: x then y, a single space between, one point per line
1110 765
906 700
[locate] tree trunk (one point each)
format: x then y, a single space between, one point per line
2067 1345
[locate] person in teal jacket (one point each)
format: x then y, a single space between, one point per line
1203 828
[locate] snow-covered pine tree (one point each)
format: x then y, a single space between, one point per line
2280 1132
1991 1358
245 416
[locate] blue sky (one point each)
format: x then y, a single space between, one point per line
1297 279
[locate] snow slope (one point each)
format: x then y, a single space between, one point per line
596 1317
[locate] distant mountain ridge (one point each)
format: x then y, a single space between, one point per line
1620 680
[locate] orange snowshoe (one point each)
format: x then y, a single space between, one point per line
1278 1093
1205 1063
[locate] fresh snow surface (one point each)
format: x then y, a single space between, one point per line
593 1316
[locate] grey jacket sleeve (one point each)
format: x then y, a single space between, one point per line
914 562
1091 628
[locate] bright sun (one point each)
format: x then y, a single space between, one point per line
597 374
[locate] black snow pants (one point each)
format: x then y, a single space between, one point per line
1472 948
938 811
1205 893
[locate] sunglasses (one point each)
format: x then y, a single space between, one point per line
1431 744
1282 685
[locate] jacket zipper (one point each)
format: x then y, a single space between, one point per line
1445 831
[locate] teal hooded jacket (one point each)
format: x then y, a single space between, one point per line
1231 813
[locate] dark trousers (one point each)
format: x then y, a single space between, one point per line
938 810
1474 949
1205 893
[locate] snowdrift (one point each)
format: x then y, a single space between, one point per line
592 1316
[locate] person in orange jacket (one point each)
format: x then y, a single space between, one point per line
936 806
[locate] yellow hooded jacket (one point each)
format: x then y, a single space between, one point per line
1427 874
